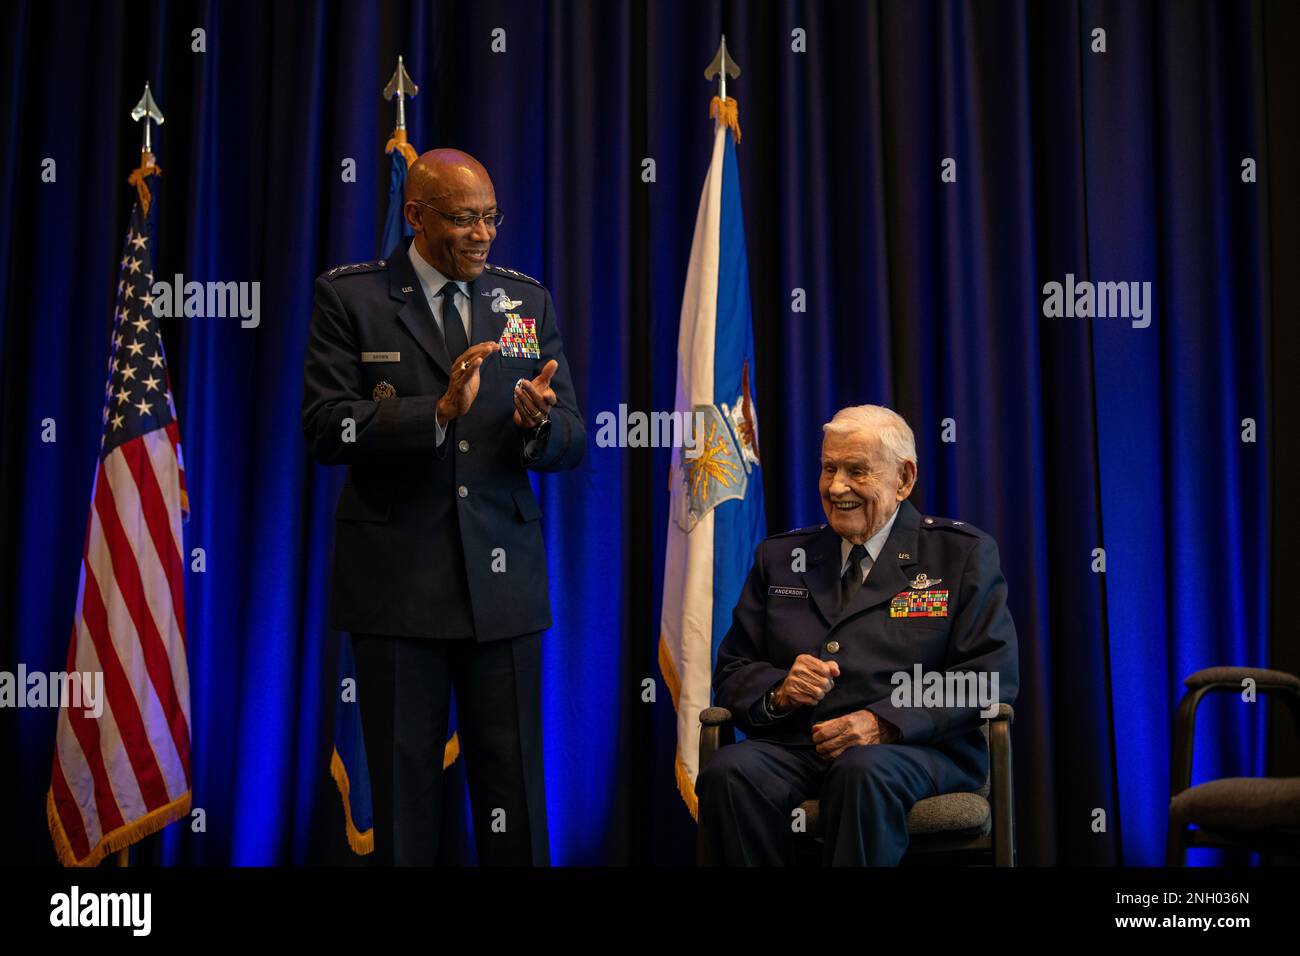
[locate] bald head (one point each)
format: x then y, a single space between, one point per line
440 172
441 185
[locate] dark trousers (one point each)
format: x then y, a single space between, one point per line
403 687
749 790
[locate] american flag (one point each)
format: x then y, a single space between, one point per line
125 775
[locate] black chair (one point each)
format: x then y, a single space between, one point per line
962 828
1259 814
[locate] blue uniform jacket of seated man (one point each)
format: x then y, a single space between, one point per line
860 656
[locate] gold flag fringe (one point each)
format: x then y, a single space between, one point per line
362 843
685 785
119 839
668 668
727 112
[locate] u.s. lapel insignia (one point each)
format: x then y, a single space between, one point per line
502 302
382 391
921 582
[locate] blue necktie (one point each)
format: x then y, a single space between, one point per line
851 583
453 329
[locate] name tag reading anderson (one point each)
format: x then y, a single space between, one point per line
381 356
777 591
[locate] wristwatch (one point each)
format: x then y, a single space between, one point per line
771 702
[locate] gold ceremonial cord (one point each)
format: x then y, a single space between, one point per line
138 176
728 111
398 142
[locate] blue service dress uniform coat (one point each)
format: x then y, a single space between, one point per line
790 607
438 549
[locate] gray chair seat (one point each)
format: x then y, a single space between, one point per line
951 814
1240 803
948 813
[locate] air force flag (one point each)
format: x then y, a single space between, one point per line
716 513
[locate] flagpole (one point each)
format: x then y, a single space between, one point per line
147 110
400 86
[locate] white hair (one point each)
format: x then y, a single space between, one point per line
879 422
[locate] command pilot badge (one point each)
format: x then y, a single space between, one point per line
502 302
382 391
921 582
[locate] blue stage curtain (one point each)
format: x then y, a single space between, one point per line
1071 435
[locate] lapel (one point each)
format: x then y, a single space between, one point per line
823 575
889 574
415 313
484 324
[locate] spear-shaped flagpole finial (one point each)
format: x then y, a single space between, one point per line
723 66
147 110
401 85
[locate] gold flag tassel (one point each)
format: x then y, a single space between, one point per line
399 143
138 176
727 112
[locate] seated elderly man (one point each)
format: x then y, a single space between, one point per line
834 627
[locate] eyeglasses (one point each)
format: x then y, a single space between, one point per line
492 219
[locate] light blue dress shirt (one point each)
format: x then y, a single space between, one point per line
875 544
431 282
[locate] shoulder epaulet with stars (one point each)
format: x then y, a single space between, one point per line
357 267
934 523
502 270
808 530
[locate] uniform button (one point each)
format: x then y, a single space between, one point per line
463 491
463 445
929 521
833 647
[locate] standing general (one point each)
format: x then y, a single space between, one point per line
441 381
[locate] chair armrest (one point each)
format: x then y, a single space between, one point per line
716 730
1005 712
1230 678
715 716
1221 679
